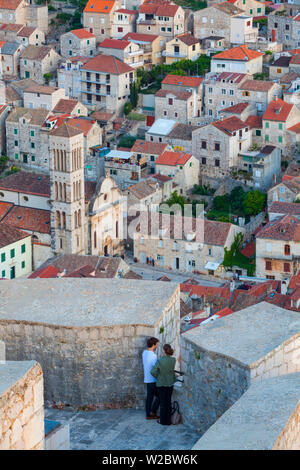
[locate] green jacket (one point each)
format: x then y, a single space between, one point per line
163 371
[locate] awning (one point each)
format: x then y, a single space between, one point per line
212 266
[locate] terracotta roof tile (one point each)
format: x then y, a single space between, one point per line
35 52
291 208
9 235
236 108
295 59
5 207
29 183
84 125
180 95
140 37
107 64
82 33
284 228
45 273
278 110
144 146
229 125
254 122
238 53
99 6
230 77
10 4
65 130
65 106
27 218
114 44
188 39
173 158
182 80
295 128
256 85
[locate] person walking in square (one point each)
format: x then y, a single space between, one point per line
149 360
164 373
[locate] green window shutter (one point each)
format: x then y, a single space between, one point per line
32 133
23 248
12 253
15 131
3 273
251 11
259 10
33 158
23 264
267 138
267 125
2 257
16 156
280 139
280 126
258 132
16 143
32 145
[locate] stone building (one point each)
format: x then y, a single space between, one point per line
250 7
183 168
36 61
218 145
215 20
98 16
128 52
152 46
124 167
283 28
162 18
23 137
239 59
278 248
13 12
259 93
242 30
277 119
105 83
15 252
124 22
78 42
183 243
183 46
69 76
286 191
150 151
10 59
41 96
220 91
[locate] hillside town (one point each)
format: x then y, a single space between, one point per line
149 188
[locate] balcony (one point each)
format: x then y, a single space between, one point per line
99 82
134 53
136 64
173 54
96 92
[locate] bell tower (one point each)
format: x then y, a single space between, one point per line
67 190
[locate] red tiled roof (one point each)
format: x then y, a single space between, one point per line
295 281
288 177
238 53
188 39
30 183
99 6
295 128
278 110
10 4
159 9
9 235
285 228
291 208
295 59
140 37
114 43
229 125
125 10
256 85
173 158
107 64
236 108
27 218
182 80
249 250
85 125
65 106
180 95
45 273
161 178
224 312
82 33
5 207
231 76
254 122
143 146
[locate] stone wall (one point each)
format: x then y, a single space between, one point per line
289 438
212 383
95 365
21 407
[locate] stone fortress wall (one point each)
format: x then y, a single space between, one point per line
86 363
225 359
21 406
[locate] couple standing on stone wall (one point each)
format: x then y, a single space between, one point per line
159 376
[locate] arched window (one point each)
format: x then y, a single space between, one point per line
75 219
57 216
95 239
79 218
64 220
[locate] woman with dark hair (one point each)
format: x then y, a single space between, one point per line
164 373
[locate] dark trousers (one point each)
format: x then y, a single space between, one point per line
152 400
165 394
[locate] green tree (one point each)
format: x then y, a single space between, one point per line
134 95
222 203
254 202
237 197
127 108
